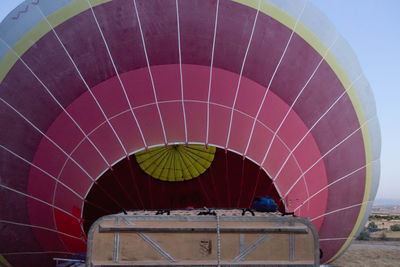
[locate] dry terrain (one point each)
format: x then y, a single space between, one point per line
384 247
393 210
370 253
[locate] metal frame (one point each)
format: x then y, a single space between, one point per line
129 218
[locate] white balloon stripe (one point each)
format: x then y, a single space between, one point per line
39 200
295 100
43 171
78 71
315 123
57 146
180 70
272 78
57 102
48 138
333 239
329 151
40 227
150 73
178 101
211 69
205 102
339 210
241 72
119 79
334 182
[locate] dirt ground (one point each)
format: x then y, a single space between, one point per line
371 253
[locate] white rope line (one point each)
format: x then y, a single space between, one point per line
55 100
334 182
305 183
300 169
69 157
43 171
52 177
77 146
329 151
111 118
180 71
48 138
44 86
39 200
150 74
211 68
241 72
119 79
289 110
40 227
83 80
333 239
178 101
172 101
273 76
204 102
55 144
338 210
98 104
297 97
315 123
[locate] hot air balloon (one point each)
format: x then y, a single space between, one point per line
112 105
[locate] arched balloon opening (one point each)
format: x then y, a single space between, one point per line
231 181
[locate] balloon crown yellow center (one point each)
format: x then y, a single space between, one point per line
176 163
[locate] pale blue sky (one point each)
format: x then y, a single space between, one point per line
372 27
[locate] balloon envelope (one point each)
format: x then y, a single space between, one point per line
87 86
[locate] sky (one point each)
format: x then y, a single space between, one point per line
372 28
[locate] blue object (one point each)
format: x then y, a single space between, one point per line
265 204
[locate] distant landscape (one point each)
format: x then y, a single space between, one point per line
379 243
386 202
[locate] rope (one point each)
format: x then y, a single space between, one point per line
255 188
228 188
241 182
218 242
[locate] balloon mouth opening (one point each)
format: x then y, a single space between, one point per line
230 181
